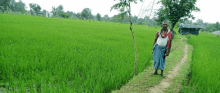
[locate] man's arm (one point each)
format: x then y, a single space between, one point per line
169 43
155 40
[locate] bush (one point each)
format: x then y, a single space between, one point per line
65 15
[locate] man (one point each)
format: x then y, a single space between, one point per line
161 48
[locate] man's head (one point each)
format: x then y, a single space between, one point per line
165 25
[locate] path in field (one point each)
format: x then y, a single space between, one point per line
147 83
168 80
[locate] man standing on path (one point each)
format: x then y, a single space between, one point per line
161 48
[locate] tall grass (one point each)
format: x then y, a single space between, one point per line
205 63
49 54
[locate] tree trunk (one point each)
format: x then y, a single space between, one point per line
173 33
135 63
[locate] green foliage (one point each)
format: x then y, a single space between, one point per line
69 55
78 15
205 64
217 25
140 21
32 12
44 12
57 12
188 35
4 4
35 7
7 9
2 8
105 18
71 14
22 11
86 13
177 25
176 10
124 7
54 11
210 28
17 6
145 23
65 15
98 17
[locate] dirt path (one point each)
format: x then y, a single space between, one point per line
168 79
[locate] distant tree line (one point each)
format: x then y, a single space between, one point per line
86 14
10 5
209 27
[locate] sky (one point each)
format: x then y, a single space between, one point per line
208 8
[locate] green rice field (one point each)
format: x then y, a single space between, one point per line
48 55
39 54
205 64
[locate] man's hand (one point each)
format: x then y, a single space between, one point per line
152 51
167 54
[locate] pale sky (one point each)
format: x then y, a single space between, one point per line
208 8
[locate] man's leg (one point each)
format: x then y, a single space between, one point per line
155 71
162 73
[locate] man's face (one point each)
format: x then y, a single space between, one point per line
164 25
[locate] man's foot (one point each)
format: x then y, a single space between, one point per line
154 73
163 75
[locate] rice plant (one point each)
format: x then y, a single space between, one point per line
205 63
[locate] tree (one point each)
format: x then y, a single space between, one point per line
140 21
71 14
65 15
4 4
105 18
44 12
125 8
20 6
54 11
12 5
98 17
176 10
211 28
121 17
126 19
217 25
59 10
114 18
148 21
188 22
35 7
199 22
78 15
161 17
86 13
134 19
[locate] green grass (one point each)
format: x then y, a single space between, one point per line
205 75
51 54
